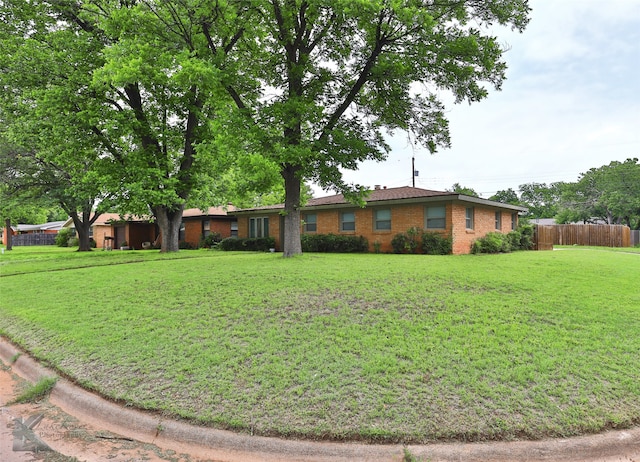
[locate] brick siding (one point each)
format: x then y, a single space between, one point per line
193 228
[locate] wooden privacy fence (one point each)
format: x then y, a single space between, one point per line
33 239
546 236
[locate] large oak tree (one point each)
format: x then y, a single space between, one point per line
136 81
334 75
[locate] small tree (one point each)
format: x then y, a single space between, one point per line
458 188
506 196
62 238
541 199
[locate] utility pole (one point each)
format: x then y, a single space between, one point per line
413 170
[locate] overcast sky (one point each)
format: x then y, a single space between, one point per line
571 102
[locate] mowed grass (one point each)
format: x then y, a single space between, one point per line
364 347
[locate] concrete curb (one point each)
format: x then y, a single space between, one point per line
223 445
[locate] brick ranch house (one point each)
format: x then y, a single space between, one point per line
387 213
110 230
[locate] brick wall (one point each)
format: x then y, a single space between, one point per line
193 232
403 217
484 221
99 232
193 229
221 227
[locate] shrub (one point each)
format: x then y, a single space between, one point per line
406 242
399 243
211 240
492 243
258 243
73 242
436 244
62 238
521 238
334 243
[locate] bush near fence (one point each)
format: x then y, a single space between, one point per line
575 234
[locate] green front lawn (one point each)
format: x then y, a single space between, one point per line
376 347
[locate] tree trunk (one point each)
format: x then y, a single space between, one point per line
169 223
84 241
292 245
83 226
7 230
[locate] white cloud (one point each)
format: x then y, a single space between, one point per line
571 102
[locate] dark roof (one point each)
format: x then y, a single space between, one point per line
401 194
382 194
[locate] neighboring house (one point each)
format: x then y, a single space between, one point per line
110 230
51 228
387 213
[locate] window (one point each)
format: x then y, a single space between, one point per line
234 229
206 228
310 223
469 217
259 227
436 217
382 220
498 220
181 232
514 221
348 221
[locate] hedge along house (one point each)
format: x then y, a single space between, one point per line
110 230
387 213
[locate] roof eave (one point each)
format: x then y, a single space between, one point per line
489 203
412 200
